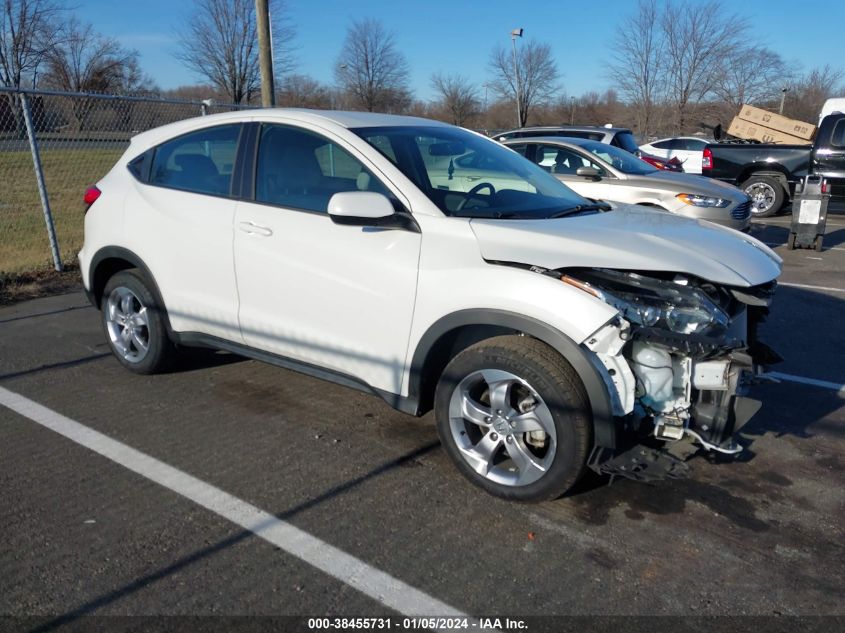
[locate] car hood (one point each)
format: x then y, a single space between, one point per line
631 238
689 183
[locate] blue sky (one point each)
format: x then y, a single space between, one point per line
457 36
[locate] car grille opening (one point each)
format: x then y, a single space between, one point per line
742 211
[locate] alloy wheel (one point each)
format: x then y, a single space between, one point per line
127 323
762 197
502 427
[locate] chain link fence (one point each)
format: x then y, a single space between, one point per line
67 141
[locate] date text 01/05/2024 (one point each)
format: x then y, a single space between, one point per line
416 623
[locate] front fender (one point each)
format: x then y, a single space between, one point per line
604 424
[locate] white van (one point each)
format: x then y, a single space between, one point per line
832 106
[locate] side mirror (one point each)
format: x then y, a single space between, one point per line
368 209
357 207
588 172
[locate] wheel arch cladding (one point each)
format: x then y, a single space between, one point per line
112 259
455 332
772 171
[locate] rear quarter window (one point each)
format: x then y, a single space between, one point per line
200 162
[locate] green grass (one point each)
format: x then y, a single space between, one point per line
24 244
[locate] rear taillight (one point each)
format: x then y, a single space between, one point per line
707 159
90 197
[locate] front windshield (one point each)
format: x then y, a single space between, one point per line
468 175
621 160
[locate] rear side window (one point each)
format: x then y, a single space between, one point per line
520 148
838 136
626 141
562 160
303 170
200 162
694 145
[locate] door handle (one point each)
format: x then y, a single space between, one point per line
255 229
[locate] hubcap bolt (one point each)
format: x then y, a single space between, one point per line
494 437
510 439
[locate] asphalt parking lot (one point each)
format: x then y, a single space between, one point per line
90 527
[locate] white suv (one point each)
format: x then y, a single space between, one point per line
549 334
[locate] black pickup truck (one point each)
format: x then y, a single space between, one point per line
768 173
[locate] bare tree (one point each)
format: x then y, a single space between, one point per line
371 68
808 93
753 75
698 38
27 35
220 44
301 91
458 97
638 63
595 108
86 61
537 73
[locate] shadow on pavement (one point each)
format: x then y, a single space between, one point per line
180 564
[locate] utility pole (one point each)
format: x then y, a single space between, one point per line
515 33
265 53
783 92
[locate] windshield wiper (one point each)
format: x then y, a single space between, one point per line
484 214
598 206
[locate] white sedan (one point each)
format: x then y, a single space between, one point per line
687 149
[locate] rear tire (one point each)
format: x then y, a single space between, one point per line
817 244
134 324
514 417
790 242
767 195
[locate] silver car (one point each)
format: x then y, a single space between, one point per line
603 172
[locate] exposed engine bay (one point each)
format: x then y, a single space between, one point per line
678 362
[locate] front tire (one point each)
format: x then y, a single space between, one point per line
514 418
134 324
767 195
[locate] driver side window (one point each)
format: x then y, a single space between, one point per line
299 169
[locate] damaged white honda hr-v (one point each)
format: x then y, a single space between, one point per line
549 333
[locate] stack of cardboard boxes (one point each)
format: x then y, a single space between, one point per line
767 127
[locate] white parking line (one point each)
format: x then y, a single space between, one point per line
827 248
372 582
785 221
838 388
809 287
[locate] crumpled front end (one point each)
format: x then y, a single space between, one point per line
679 361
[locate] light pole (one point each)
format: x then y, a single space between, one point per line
783 92
515 33
571 110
